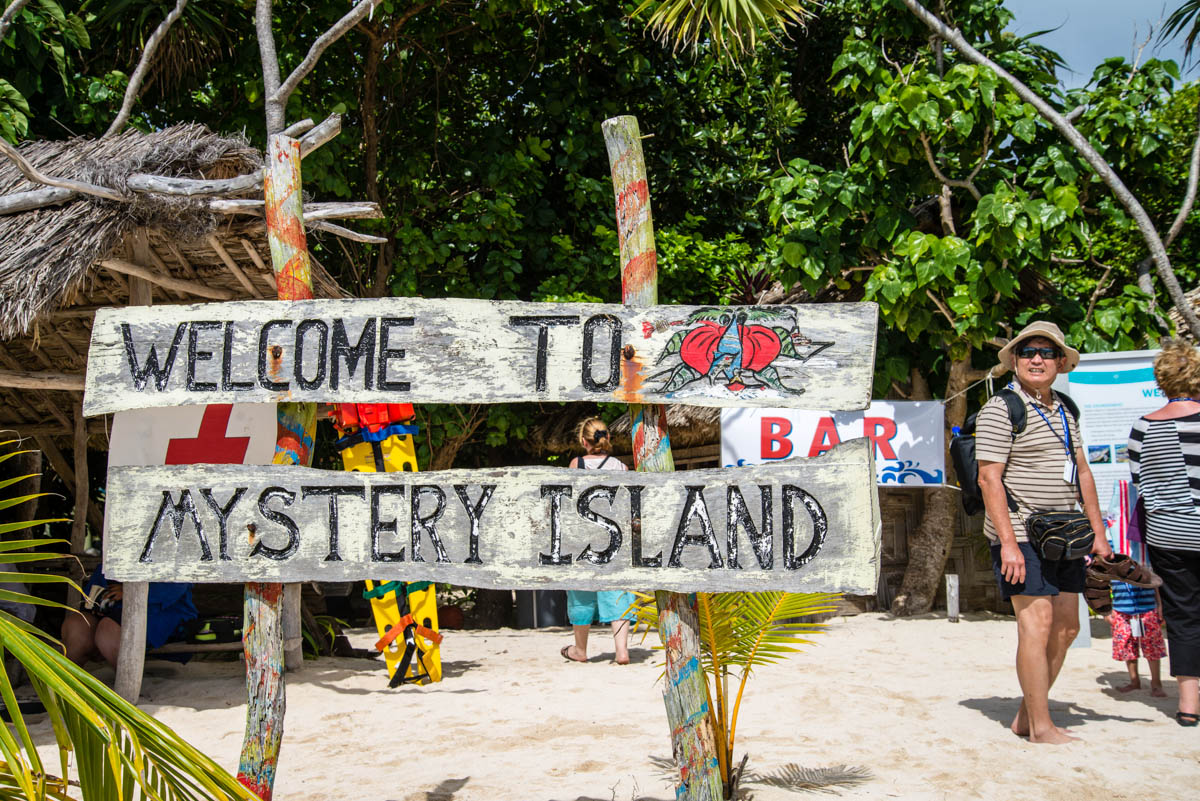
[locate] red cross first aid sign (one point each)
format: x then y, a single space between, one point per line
222 433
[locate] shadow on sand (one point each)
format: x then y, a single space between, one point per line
1002 708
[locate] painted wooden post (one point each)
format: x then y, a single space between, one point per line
692 739
135 595
263 628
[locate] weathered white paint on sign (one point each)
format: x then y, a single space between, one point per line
799 525
414 350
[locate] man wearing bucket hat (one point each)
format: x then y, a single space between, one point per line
1036 468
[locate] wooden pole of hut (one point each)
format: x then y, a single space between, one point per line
693 742
135 595
264 631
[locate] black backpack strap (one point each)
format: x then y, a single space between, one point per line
1017 413
1071 405
583 465
1018 416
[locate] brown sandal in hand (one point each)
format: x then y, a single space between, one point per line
1097 594
1119 567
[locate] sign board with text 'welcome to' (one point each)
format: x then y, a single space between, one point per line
413 350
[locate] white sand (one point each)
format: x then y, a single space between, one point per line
923 705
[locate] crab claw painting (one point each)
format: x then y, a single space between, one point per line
737 349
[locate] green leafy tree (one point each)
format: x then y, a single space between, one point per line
961 211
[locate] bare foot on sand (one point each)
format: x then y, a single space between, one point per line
1020 726
1130 687
1157 691
622 659
1055 736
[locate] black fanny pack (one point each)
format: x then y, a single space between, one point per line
1060 535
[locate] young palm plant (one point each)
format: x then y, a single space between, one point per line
740 631
120 751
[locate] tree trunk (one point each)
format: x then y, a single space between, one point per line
930 545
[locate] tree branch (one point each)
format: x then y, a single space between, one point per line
32 174
134 88
941 176
10 13
270 65
34 199
941 307
1145 283
60 192
1162 261
280 96
1101 285
345 233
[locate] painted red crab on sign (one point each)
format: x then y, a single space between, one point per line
737 348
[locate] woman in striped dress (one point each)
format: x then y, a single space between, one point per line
1164 458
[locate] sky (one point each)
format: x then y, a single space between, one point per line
1089 31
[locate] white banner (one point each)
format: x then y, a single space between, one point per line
1112 390
909 438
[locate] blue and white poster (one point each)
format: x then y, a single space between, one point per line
1112 390
909 438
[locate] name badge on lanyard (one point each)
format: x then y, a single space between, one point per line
1069 471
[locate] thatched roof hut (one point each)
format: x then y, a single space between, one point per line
66 253
60 263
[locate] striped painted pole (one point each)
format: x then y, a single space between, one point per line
693 742
263 635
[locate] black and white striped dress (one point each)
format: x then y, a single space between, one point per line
1164 458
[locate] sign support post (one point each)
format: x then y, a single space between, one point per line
693 742
264 625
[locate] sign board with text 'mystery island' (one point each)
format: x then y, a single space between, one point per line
801 525
415 350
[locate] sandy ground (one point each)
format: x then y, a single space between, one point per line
919 707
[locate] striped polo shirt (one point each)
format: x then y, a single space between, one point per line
1164 458
1033 461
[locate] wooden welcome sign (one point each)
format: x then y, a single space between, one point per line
474 351
800 525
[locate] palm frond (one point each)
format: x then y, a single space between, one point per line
118 747
742 631
1187 16
733 27
121 752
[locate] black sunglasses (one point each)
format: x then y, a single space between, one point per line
599 435
1028 352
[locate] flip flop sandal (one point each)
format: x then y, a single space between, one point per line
566 654
1187 719
1120 567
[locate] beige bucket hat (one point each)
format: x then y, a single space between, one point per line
1039 328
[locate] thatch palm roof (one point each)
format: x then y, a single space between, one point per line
59 263
49 256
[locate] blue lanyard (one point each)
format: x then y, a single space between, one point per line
1066 443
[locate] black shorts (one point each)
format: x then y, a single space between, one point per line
1042 577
